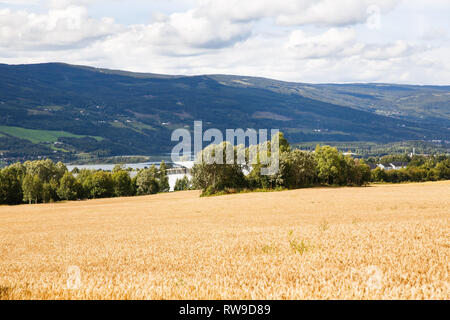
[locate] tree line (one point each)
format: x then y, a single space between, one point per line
299 169
419 169
44 181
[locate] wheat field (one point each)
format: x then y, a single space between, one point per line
377 242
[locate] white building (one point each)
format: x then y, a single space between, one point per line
393 166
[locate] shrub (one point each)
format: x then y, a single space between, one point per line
182 184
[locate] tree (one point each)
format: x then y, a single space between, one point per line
69 187
4 188
365 173
416 174
443 169
297 169
100 185
264 154
214 176
146 181
118 167
395 158
357 172
182 184
256 180
75 170
123 186
31 186
49 191
163 179
46 170
378 175
61 169
11 185
83 178
331 165
283 143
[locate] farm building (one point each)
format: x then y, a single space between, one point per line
393 165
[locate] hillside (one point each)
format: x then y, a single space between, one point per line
100 112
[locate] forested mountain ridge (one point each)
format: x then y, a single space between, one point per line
61 110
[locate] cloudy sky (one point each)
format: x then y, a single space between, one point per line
294 40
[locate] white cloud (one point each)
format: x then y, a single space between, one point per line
295 12
19 2
331 43
398 49
58 28
195 30
302 40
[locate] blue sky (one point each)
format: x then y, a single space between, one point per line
294 40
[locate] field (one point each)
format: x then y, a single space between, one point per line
38 136
377 242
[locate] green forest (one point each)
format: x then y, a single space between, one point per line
44 181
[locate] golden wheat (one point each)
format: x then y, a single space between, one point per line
379 242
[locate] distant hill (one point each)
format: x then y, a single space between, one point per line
99 112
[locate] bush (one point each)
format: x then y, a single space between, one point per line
218 176
100 185
147 182
69 187
182 184
123 186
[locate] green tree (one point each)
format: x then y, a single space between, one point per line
331 165
283 143
378 175
395 158
75 170
123 186
365 173
69 187
297 169
49 191
182 184
443 170
46 170
11 184
163 178
147 182
83 178
100 185
4 188
214 176
32 188
357 172
256 180
118 167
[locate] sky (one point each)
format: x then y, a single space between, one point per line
318 41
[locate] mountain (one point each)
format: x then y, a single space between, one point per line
65 111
